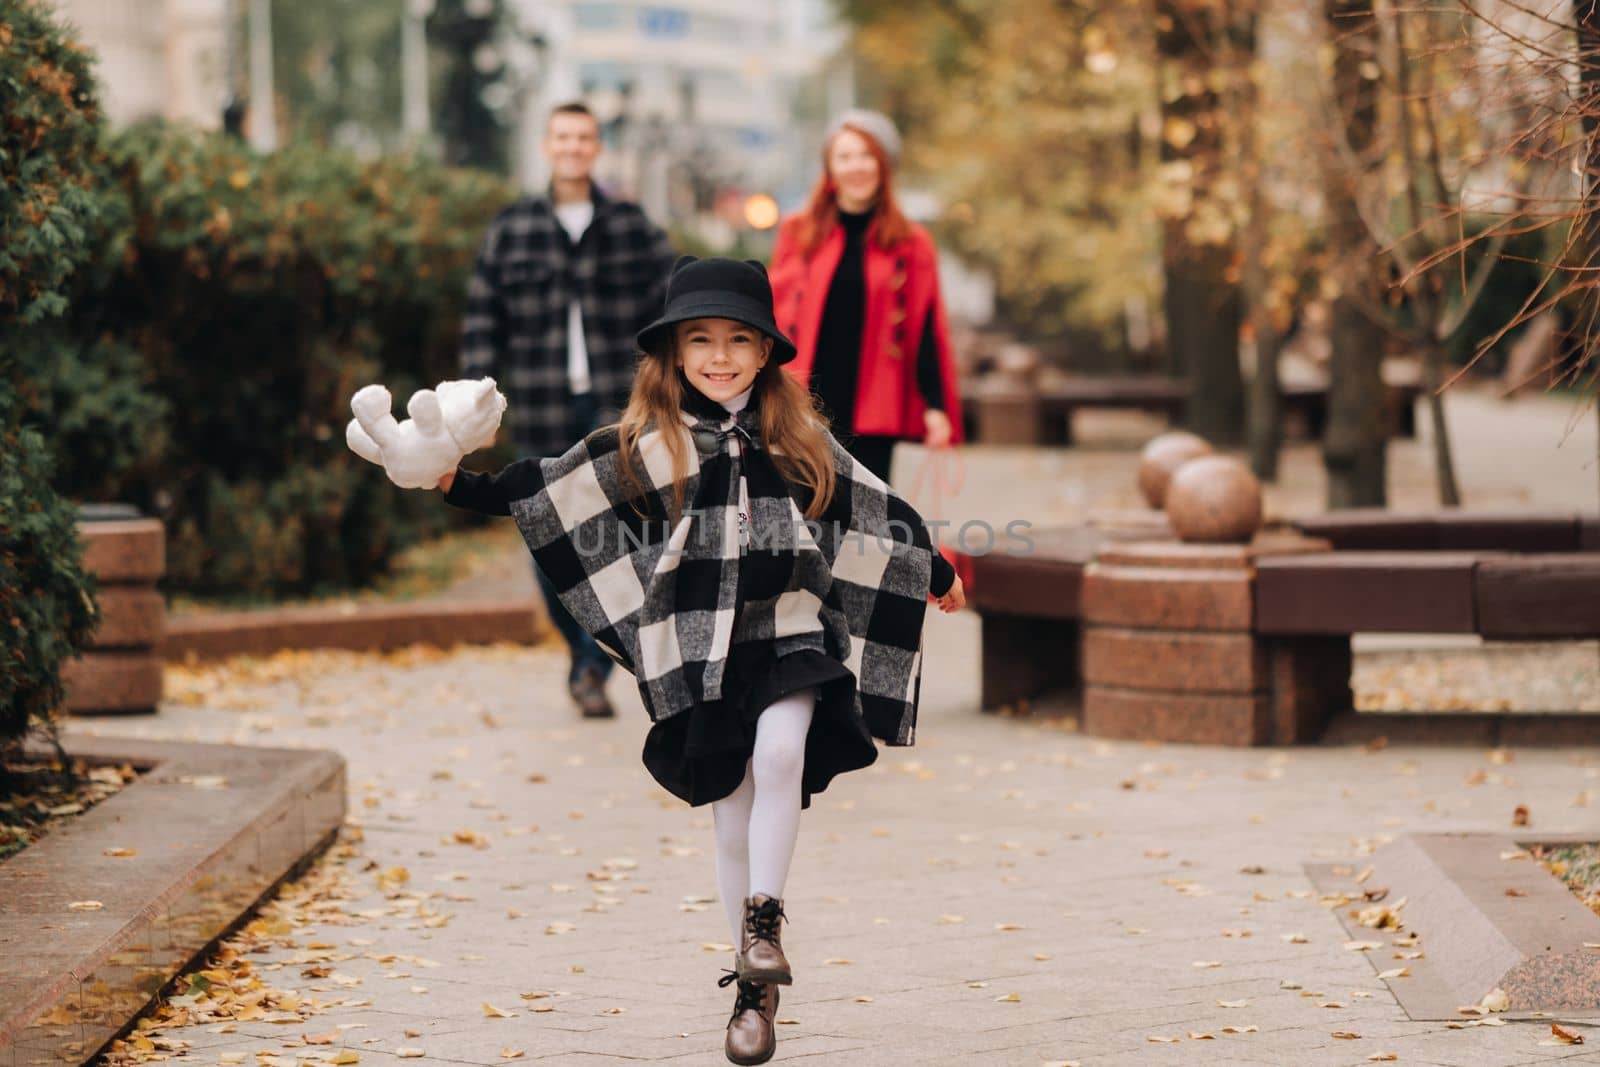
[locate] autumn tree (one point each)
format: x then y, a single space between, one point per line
1035 122
1200 44
1354 446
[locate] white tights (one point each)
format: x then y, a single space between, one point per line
757 824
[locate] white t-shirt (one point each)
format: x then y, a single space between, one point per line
575 219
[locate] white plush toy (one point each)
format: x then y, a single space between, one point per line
446 423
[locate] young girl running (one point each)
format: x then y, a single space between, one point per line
766 590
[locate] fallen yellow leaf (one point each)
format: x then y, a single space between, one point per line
1559 1036
1009 998
496 1013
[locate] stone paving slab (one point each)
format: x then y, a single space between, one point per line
87 937
1121 866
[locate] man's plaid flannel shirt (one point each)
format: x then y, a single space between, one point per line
515 323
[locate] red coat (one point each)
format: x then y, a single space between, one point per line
902 284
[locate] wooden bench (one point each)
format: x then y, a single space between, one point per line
1309 401
1455 531
1001 411
1501 596
1184 642
1059 401
1030 606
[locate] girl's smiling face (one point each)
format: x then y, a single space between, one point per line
721 357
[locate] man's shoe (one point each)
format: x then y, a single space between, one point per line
752 1035
761 957
589 690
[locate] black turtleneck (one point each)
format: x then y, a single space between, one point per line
836 370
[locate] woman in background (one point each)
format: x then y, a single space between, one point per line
857 290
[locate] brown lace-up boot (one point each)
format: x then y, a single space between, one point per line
761 957
752 1035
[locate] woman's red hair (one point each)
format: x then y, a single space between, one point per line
889 225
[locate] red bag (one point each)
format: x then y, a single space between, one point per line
943 473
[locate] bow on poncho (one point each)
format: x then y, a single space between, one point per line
667 599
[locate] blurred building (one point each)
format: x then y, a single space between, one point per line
699 99
157 58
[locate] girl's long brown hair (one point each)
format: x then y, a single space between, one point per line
821 214
791 428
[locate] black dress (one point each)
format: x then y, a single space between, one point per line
837 367
700 755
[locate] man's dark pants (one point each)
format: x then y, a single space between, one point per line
585 653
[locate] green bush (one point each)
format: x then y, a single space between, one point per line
89 400
49 128
47 150
47 611
258 293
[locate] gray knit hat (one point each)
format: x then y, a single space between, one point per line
878 126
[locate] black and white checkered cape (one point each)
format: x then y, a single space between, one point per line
663 598
514 326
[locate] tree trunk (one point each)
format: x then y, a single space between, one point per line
1433 359
1265 397
1587 17
1354 443
1353 450
1202 292
1203 337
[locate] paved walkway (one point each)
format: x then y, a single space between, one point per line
1004 893
1007 892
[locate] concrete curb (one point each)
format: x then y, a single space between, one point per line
1487 917
356 628
214 828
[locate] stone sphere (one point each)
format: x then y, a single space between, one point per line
1214 499
1164 455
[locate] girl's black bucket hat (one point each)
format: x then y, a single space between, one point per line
717 288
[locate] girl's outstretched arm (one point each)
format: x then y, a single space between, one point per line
492 494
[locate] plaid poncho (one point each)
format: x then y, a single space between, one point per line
663 598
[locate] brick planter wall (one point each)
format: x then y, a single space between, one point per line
1169 651
122 672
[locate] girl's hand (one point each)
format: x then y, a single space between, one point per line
936 425
449 479
955 598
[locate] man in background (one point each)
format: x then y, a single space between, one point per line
562 284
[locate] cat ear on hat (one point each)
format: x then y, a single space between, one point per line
682 262
758 265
